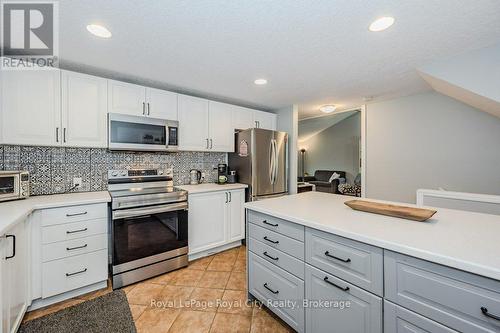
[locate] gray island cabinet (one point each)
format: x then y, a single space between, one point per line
317 281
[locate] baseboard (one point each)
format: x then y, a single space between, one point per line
41 303
215 250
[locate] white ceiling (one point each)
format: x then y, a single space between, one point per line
312 52
313 126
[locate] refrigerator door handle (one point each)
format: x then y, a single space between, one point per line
271 162
276 161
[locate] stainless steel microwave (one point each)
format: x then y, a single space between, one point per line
126 132
14 185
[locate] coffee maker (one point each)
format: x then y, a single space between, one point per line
222 173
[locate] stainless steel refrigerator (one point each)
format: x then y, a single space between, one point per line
260 160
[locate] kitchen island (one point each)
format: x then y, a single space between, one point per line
442 275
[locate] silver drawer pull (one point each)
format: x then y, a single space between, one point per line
333 284
79 272
76 214
76 247
267 255
75 231
337 258
271 241
487 314
273 291
271 224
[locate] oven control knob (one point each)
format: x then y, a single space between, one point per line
160 172
114 174
123 173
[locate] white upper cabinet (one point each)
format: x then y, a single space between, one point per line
265 120
84 105
242 118
31 107
126 98
193 123
220 128
161 104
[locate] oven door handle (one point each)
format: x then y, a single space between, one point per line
127 213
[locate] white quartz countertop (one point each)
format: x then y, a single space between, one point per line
211 187
12 212
464 240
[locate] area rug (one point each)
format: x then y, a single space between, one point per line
109 313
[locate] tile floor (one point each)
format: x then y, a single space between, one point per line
208 296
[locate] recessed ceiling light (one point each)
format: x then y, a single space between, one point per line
260 82
99 30
328 108
381 23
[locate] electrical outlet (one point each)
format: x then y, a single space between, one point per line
77 182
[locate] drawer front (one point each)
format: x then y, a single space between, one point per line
64 232
400 320
271 284
334 308
59 276
286 228
451 297
278 258
74 247
74 213
278 241
357 263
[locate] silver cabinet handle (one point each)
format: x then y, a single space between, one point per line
207 143
271 290
230 197
77 214
13 246
64 134
57 134
149 109
227 198
256 124
76 247
79 272
143 108
75 231
211 144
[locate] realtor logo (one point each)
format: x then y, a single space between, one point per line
29 34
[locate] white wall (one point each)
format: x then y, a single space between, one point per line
336 148
429 141
288 119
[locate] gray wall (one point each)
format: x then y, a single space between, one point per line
430 141
288 122
336 148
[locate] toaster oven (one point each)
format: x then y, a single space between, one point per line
14 185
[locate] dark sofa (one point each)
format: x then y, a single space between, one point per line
320 179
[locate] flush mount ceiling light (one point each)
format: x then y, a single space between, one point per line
260 82
99 30
381 23
328 108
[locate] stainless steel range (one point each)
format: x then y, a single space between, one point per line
149 225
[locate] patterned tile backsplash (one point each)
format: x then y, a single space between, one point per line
52 169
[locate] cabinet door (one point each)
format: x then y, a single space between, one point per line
265 120
31 107
4 285
236 215
242 118
207 220
161 104
84 107
193 123
126 98
221 129
16 277
363 315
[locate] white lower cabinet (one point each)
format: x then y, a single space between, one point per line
14 271
69 252
215 219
